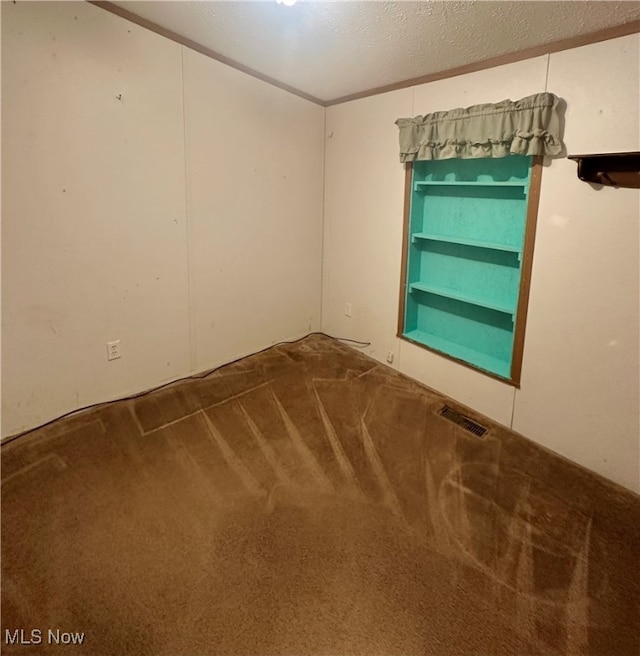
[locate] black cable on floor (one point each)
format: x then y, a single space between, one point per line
199 376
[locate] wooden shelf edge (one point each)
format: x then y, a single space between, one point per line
457 296
506 379
466 242
610 169
470 183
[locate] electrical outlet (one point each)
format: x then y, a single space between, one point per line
113 350
389 357
347 310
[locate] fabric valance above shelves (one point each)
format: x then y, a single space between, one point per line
530 126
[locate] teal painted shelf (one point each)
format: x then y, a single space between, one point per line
466 229
464 353
471 183
466 242
459 296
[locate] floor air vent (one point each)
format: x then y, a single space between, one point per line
463 421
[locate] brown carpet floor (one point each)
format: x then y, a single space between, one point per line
307 500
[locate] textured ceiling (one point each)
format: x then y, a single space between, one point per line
333 49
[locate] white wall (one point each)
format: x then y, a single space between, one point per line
580 391
580 382
117 226
254 176
363 204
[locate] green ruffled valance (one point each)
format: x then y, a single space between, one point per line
530 126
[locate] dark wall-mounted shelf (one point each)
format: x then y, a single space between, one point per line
611 169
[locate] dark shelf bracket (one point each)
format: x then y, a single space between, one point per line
610 169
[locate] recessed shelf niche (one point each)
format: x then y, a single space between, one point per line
465 247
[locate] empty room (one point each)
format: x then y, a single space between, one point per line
320 328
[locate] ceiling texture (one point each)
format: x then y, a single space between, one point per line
329 50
